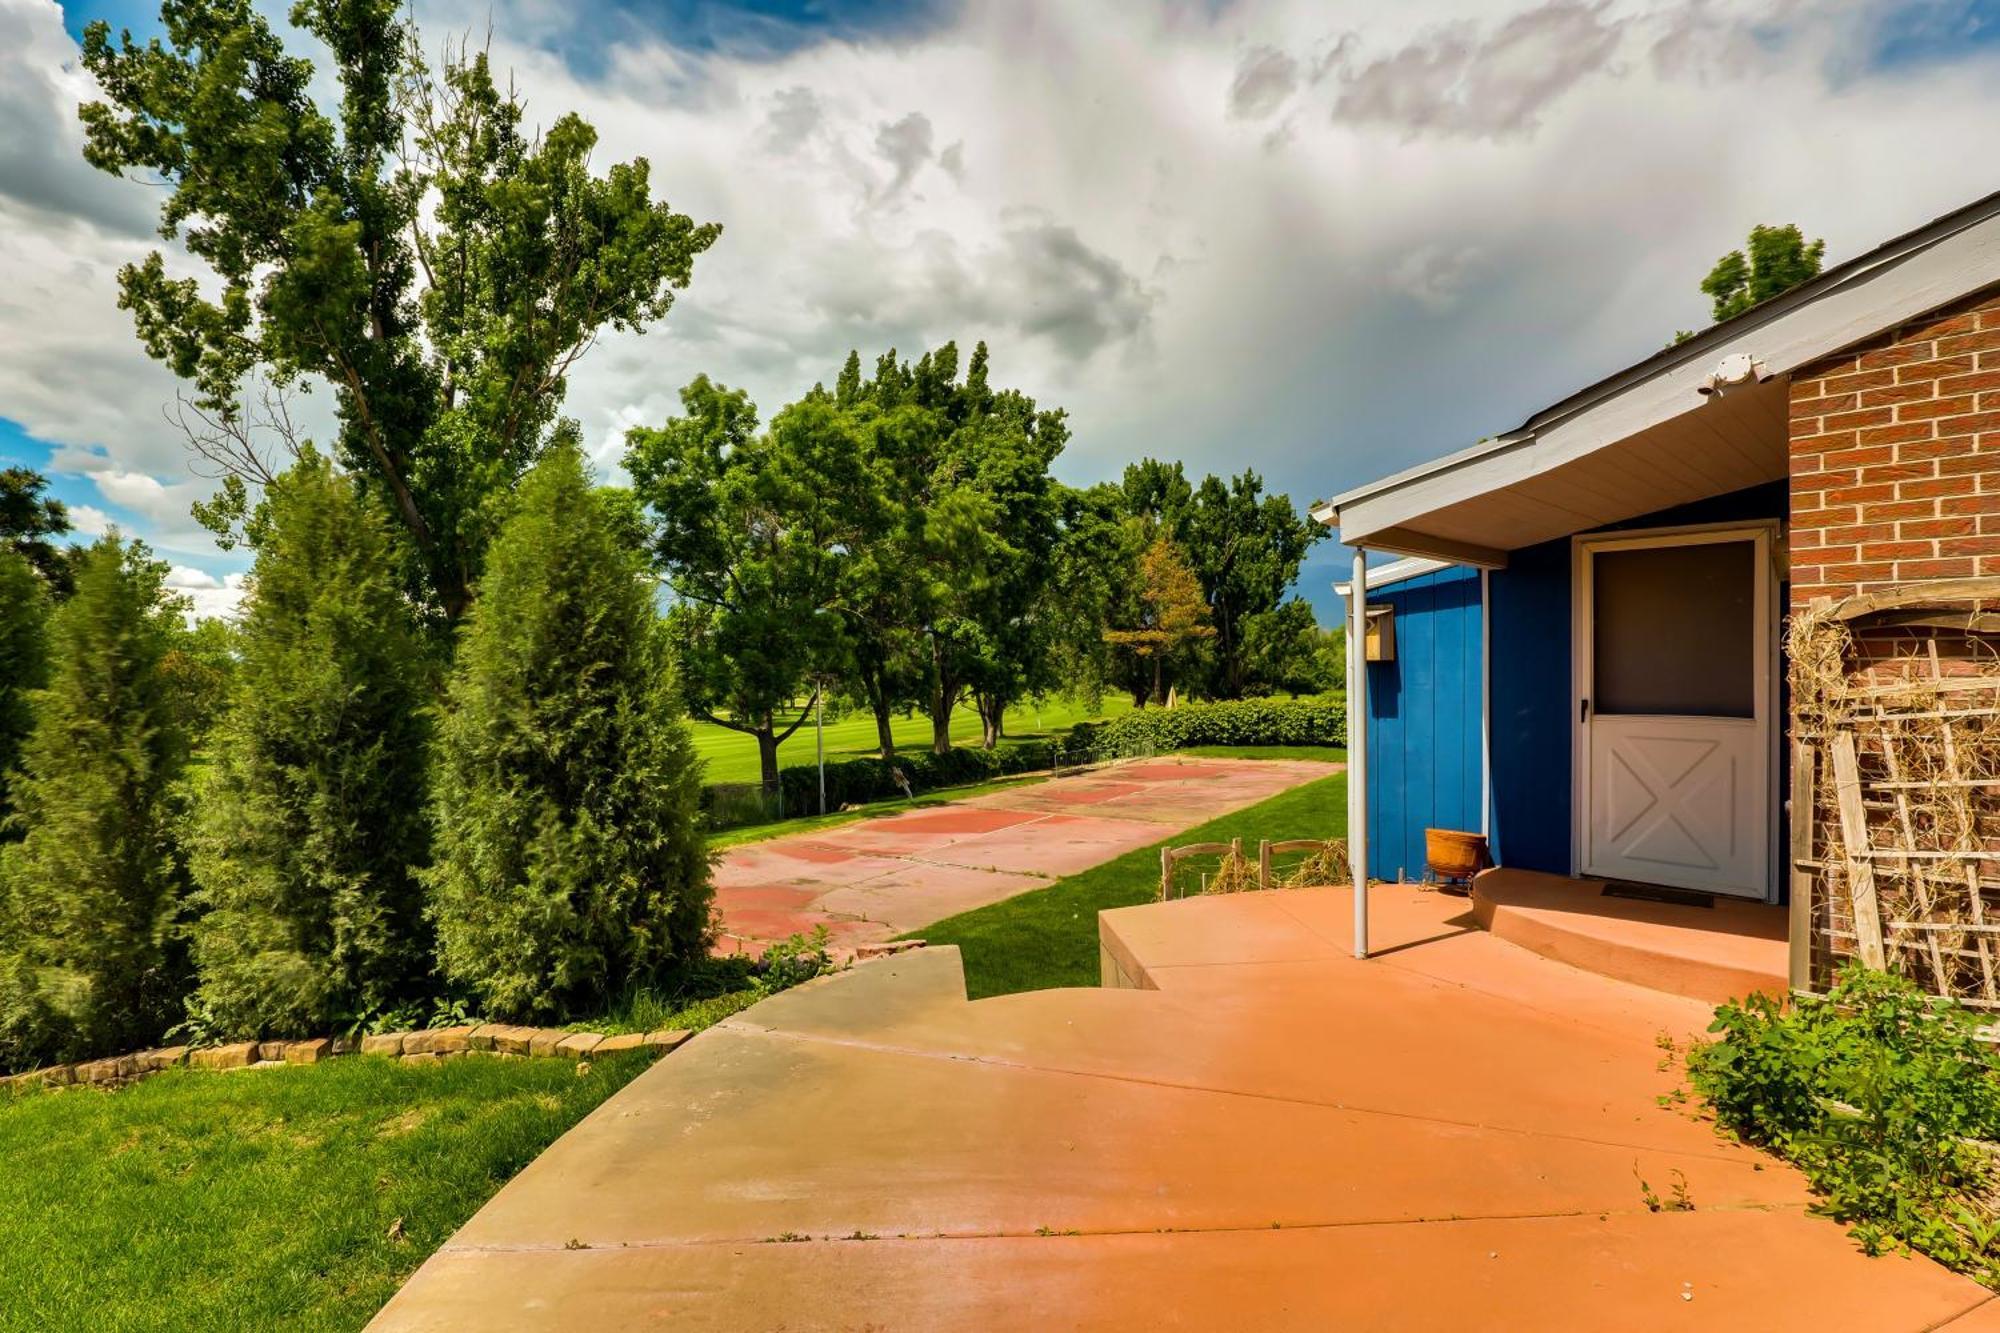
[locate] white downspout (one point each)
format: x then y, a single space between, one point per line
1357 745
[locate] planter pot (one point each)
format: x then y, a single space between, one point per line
1454 857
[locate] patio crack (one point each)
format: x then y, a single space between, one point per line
1085 1233
737 1025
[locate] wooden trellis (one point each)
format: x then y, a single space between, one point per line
1896 786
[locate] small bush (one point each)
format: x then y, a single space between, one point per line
1883 1097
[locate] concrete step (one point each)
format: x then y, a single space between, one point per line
1710 954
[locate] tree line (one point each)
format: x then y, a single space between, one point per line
898 542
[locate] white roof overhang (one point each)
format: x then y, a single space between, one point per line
1650 437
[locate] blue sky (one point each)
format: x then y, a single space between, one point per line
1326 239
18 448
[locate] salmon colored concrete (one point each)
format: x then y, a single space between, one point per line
1707 953
1451 1135
877 878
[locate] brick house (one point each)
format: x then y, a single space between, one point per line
1582 649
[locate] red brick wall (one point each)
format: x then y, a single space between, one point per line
1896 457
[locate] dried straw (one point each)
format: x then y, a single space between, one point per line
1925 725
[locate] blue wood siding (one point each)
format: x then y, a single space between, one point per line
1423 720
1424 707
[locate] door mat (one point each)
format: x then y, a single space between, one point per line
1658 893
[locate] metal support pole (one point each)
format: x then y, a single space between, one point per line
1357 745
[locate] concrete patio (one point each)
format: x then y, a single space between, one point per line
1259 1131
878 878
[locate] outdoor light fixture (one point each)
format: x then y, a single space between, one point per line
1732 372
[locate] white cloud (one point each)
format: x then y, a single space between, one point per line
1323 238
90 521
210 595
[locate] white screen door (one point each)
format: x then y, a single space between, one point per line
1674 709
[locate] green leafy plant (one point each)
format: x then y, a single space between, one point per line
1885 1097
791 961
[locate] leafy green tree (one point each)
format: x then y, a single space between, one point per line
883 656
565 787
1172 614
202 666
309 821
88 960
1287 651
1093 583
975 522
1779 259
749 531
1246 548
414 246
28 519
23 662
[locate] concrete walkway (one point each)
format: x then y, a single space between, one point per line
878 878
1452 1135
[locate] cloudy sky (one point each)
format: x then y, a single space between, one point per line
1324 239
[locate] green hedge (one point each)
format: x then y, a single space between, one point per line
859 781
1231 722
1148 730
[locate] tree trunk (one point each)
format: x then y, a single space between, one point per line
944 696
1159 679
767 756
992 716
878 703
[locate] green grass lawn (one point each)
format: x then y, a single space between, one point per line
732 756
265 1198
1048 937
736 837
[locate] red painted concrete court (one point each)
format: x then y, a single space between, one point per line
878 878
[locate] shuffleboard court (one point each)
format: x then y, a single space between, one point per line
873 880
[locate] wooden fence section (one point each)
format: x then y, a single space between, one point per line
1324 862
1895 837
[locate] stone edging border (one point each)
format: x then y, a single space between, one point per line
419 1046
422 1046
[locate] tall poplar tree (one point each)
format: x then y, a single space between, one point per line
416 247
